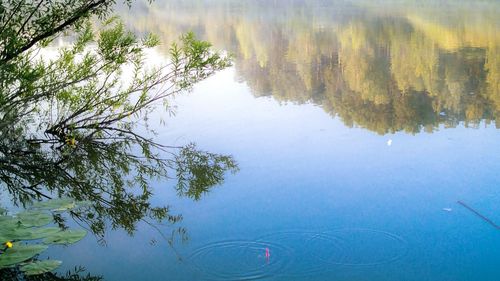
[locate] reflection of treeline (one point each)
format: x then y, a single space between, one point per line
383 73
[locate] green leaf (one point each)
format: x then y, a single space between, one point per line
19 253
34 218
5 218
13 232
21 233
66 237
151 40
39 233
40 267
61 204
12 228
83 204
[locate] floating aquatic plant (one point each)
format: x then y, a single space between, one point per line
40 267
27 234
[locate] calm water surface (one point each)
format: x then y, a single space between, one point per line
357 125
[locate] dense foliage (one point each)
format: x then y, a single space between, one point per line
69 123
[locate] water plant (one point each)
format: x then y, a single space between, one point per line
23 236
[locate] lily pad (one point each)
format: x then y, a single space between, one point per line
66 237
43 232
19 253
15 232
82 204
39 233
34 218
5 219
40 267
61 204
8 222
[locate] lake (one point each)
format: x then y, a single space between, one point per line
366 137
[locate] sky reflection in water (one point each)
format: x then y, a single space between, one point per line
328 196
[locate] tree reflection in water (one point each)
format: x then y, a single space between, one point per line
68 125
386 66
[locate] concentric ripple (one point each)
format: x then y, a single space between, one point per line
307 246
239 260
297 253
363 247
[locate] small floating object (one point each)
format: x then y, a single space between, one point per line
268 255
389 142
447 209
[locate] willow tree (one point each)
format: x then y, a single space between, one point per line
68 124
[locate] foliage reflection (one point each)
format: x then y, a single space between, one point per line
380 65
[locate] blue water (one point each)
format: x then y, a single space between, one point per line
330 201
